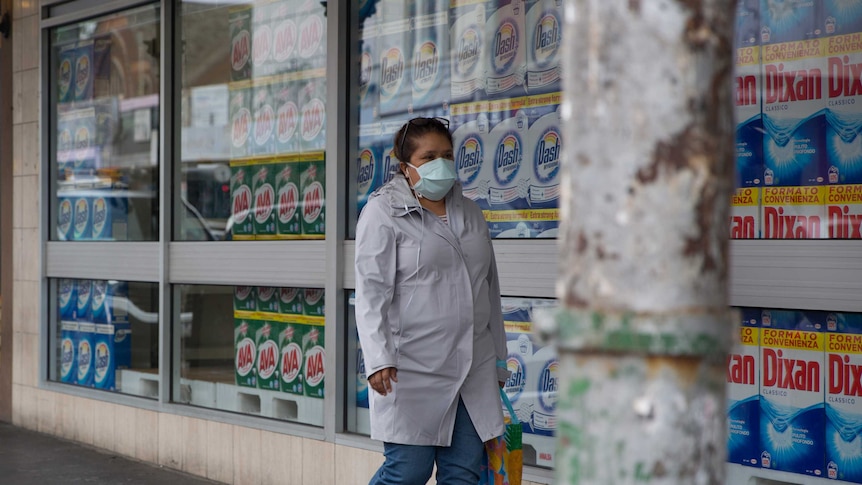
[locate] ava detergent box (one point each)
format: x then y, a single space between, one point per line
544 38
793 118
289 216
844 396
239 110
244 299
284 38
268 355
312 188
314 357
239 22
290 301
267 299
264 210
743 392
245 351
263 121
313 303
284 95
311 100
291 361
792 417
241 201
843 81
311 42
261 40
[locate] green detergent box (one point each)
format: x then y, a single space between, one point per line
314 354
267 299
239 25
263 188
244 299
290 364
241 201
239 110
313 302
289 217
290 301
312 183
245 351
268 355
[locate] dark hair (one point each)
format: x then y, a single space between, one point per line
405 140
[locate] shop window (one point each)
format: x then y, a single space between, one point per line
253 349
531 388
253 121
492 69
104 128
106 335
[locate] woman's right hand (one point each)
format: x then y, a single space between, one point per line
381 381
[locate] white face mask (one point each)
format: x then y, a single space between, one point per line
437 178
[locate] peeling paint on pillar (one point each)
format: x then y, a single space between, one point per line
646 184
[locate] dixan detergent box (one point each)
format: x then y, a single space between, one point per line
284 95
311 101
473 154
743 392
311 32
793 212
264 204
429 63
245 351
748 116
468 49
844 211
314 357
747 23
291 359
394 84
284 38
110 215
84 71
290 301
239 110
793 113
783 21
544 38
241 201
263 132
792 419
312 182
844 397
506 52
244 299
268 299
261 40
239 22
843 79
67 307
841 17
268 355
65 73
745 213
289 214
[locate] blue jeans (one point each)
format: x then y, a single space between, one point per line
456 464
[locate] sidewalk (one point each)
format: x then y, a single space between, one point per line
27 457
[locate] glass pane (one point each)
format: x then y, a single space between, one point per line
253 350
531 388
491 68
253 121
104 120
107 336
798 170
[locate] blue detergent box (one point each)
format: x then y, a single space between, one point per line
109 302
841 17
743 392
84 69
82 126
844 396
68 352
429 62
792 381
369 163
747 23
65 217
86 365
67 299
110 216
82 213
788 21
394 84
65 73
84 310
112 350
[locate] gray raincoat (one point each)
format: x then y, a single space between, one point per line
428 304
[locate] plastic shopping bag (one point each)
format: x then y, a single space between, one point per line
504 458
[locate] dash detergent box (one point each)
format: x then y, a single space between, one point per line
110 216
84 71
844 397
474 156
84 309
291 359
743 393
112 350
468 47
245 351
69 352
86 365
65 73
429 64
544 37
241 201
792 418
506 54
394 85
109 302
268 355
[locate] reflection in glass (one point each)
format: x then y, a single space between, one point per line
108 336
254 349
253 121
104 127
492 68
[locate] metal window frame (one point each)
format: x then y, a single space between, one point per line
813 274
